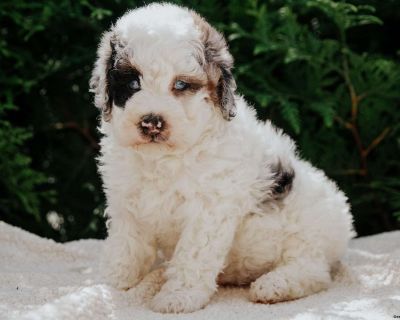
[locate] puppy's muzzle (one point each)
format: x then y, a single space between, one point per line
151 125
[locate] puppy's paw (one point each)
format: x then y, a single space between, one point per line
119 276
273 287
181 300
149 286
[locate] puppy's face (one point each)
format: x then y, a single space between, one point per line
163 78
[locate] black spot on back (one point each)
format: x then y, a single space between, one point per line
283 181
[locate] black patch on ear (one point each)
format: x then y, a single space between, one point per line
219 63
283 181
225 93
110 66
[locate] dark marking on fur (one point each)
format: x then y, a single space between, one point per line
283 181
225 95
100 86
109 67
119 74
194 85
218 64
119 79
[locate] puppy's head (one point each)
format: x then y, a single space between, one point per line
163 78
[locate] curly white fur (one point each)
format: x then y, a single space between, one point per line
205 196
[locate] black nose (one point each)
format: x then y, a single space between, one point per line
151 124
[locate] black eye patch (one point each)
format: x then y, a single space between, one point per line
124 82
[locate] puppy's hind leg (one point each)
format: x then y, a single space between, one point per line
301 272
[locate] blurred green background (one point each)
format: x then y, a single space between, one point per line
326 71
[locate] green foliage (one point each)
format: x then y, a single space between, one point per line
341 104
49 183
18 181
326 71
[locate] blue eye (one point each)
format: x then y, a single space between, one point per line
181 85
134 84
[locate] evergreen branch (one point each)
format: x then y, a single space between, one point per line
376 141
357 139
353 96
363 157
352 124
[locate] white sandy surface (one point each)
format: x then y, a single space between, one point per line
41 279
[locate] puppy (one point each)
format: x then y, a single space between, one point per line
189 171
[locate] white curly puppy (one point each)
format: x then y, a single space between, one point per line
190 171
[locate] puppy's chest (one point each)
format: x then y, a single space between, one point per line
158 198
161 208
165 194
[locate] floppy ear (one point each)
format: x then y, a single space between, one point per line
99 82
218 63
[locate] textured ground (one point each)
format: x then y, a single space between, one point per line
41 279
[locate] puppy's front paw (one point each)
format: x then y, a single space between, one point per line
118 275
181 300
149 286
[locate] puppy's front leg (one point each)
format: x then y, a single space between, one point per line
198 259
128 254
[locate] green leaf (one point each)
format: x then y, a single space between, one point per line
290 112
326 110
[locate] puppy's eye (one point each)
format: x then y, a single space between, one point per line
134 84
181 85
